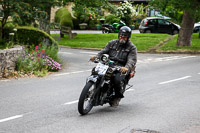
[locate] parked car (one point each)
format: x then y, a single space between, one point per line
158 25
196 27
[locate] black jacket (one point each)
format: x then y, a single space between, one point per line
123 54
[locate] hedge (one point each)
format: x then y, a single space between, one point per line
110 19
64 18
33 36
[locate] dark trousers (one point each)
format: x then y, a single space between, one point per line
118 81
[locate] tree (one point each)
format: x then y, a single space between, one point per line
41 11
7 8
80 5
191 12
26 12
89 11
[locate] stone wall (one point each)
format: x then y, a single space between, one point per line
8 58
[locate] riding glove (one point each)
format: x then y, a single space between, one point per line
92 58
124 69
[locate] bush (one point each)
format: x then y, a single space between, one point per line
39 61
76 23
110 19
64 18
125 12
2 44
8 28
66 22
58 15
33 36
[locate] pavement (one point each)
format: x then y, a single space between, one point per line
86 31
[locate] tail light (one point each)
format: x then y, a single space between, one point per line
146 23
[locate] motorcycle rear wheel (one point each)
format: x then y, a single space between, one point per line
85 103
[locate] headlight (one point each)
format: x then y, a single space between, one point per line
104 58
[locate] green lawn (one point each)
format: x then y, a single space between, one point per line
171 45
143 42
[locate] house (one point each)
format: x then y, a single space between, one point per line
115 2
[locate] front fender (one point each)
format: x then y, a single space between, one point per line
92 78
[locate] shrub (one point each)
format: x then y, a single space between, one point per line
76 23
110 19
39 61
58 15
8 28
32 36
64 18
66 22
2 44
7 41
125 12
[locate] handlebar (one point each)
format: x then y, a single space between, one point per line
110 62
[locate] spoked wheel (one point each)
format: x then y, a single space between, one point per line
85 103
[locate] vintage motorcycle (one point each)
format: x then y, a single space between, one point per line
99 88
114 28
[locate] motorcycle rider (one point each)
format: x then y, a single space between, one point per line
124 53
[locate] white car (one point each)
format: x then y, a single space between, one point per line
196 27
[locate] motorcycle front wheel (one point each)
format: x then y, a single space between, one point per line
85 103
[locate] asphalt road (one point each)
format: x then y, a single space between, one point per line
165 98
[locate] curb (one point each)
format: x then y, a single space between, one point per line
142 52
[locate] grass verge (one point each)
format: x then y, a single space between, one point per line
161 43
143 42
170 46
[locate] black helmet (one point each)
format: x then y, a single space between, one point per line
125 31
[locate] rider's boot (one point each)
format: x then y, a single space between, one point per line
115 102
118 96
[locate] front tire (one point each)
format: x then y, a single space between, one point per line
85 103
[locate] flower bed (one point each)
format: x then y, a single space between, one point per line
38 61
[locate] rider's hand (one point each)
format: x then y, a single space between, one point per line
123 69
92 58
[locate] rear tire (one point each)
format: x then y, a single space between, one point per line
175 32
103 30
148 31
85 103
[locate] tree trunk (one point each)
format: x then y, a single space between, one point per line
3 23
185 33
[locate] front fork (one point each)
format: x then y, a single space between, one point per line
97 90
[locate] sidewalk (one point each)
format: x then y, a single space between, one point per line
86 31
